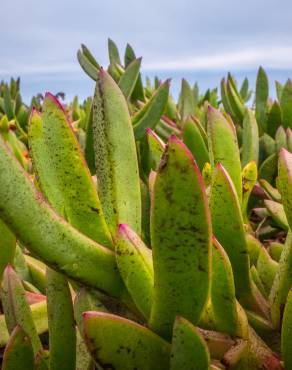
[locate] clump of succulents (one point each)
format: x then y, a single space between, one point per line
139 233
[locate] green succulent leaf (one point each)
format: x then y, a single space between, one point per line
186 103
228 228
135 264
286 104
223 298
62 172
7 247
274 119
249 178
89 147
48 236
151 112
250 139
113 52
235 101
138 92
282 283
128 80
115 156
287 332
267 269
261 99
86 64
189 349
284 182
194 140
180 240
89 56
62 332
18 353
123 344
16 308
276 211
223 146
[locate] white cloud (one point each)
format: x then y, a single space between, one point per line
269 57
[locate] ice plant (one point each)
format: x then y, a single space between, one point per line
140 233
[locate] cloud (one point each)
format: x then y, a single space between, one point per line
43 37
271 57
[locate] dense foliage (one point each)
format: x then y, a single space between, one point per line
137 232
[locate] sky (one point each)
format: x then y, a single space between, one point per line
42 37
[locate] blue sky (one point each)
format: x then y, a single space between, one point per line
43 36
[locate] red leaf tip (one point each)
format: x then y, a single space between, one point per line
122 228
52 97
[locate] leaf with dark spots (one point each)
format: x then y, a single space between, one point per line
124 344
66 183
180 235
228 228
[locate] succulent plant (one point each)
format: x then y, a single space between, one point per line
137 233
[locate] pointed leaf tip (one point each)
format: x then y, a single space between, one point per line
53 98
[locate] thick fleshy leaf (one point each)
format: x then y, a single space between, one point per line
228 228
235 102
250 139
244 90
135 264
138 92
276 211
62 332
90 69
192 137
223 146
249 178
267 269
282 283
275 250
189 349
261 99
286 104
116 162
122 344
7 247
8 104
86 300
18 353
48 236
155 149
113 52
181 240
89 56
89 148
128 80
272 192
280 138
152 111
62 172
279 90
39 315
286 339
223 292
274 119
186 104
16 308
84 360
284 182
224 98
37 272
268 168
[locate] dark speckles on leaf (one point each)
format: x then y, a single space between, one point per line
95 210
163 162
